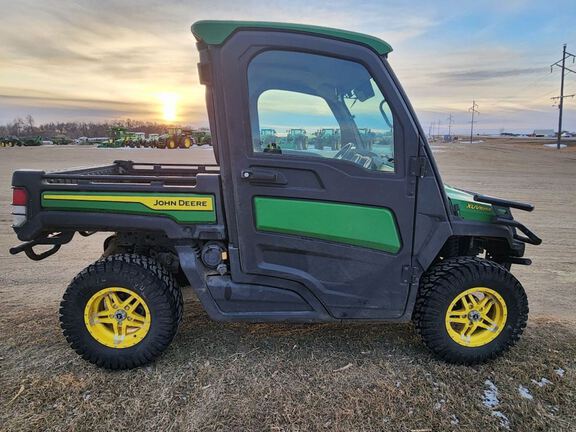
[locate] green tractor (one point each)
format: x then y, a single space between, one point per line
137 139
187 139
116 139
11 141
152 140
296 139
327 138
162 141
202 137
268 137
172 139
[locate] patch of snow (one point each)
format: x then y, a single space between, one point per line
560 372
438 405
555 146
504 422
542 382
490 399
525 393
454 420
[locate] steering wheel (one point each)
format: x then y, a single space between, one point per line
343 151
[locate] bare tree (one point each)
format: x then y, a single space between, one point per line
30 123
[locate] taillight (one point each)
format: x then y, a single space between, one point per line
19 196
19 202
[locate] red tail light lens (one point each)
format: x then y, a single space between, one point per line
19 196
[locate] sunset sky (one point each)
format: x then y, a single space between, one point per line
104 60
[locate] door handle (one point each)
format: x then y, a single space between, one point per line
262 176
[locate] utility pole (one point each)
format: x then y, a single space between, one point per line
438 130
473 110
565 55
450 122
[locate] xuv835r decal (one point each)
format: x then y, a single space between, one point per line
358 225
183 208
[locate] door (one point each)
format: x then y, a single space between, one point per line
317 142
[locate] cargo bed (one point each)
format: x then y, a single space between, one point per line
181 200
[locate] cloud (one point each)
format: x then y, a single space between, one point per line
92 57
486 74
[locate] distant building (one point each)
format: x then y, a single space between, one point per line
544 133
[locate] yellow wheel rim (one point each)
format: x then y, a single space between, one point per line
172 144
117 317
476 317
187 143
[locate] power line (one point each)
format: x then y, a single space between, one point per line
473 110
531 84
562 65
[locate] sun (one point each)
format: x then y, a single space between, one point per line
169 106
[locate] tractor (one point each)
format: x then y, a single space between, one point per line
327 138
296 139
268 138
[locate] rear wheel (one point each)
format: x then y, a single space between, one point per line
470 310
121 312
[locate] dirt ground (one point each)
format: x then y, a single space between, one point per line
305 377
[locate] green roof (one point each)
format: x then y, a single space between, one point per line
216 32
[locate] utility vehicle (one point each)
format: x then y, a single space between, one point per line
272 234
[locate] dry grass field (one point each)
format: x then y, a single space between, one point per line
243 377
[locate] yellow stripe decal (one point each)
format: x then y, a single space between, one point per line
152 202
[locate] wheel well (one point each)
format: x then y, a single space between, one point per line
158 246
496 249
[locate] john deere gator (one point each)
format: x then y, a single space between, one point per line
328 233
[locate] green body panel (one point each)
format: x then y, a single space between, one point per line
467 208
358 225
216 32
85 201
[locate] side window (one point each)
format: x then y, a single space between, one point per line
316 106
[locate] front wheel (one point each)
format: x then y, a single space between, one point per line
121 312
470 310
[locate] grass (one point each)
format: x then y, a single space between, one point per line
257 377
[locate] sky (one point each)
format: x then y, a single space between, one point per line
102 60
